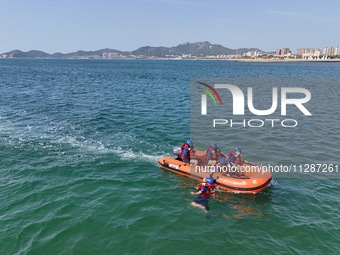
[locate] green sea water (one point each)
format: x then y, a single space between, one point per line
79 143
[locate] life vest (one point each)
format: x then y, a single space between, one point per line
210 191
239 159
216 153
185 146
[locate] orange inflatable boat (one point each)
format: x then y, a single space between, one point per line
249 178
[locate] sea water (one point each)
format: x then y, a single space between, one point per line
79 143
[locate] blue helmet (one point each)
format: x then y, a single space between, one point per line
214 145
189 142
210 181
238 149
223 161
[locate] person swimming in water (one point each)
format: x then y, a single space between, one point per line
204 190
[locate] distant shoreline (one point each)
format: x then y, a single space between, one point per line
188 51
260 60
199 59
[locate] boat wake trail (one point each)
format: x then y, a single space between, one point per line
75 143
137 156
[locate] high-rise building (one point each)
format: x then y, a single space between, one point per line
329 51
299 52
332 51
283 52
337 51
325 51
308 53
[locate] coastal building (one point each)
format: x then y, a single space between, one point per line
252 54
284 52
110 55
299 52
309 53
329 51
325 51
233 56
337 51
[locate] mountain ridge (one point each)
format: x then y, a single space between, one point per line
196 49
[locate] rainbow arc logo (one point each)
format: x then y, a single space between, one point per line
210 94
208 89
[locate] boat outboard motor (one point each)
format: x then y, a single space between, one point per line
177 151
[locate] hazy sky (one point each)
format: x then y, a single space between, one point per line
66 26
